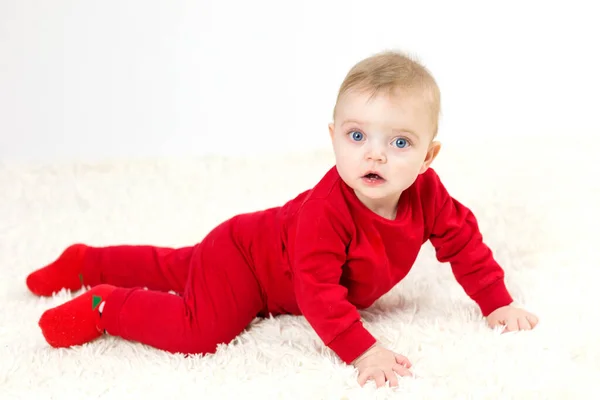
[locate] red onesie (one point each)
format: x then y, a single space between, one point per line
322 255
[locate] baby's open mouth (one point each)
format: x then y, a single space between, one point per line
372 177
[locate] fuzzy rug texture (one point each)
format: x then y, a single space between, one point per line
537 205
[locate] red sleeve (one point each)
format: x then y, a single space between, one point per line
457 239
319 252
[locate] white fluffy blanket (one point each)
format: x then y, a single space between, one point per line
537 204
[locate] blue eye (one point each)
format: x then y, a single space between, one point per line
401 143
356 135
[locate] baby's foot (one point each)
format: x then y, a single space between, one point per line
77 321
63 273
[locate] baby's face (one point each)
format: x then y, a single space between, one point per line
389 136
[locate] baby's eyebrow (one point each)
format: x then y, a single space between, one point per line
407 131
352 121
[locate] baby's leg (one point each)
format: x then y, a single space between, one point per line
157 268
221 297
128 266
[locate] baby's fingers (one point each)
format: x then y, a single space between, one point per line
524 324
402 360
377 375
400 370
512 325
392 378
533 320
363 377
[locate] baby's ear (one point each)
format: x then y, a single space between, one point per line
331 130
432 152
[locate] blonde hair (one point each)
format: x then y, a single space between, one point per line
390 71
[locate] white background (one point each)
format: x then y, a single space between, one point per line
103 79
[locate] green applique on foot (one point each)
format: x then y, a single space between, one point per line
96 300
81 279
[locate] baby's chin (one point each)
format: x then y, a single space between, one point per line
377 194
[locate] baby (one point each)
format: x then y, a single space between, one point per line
330 251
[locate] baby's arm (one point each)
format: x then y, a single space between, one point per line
318 247
456 237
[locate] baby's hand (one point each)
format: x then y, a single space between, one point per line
381 365
515 319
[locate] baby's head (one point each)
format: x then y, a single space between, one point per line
385 122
